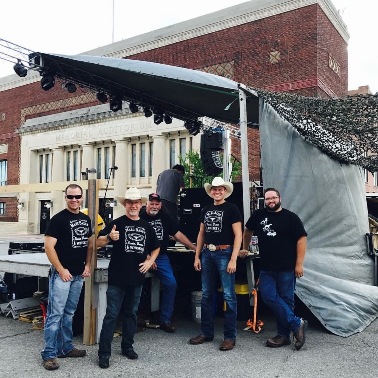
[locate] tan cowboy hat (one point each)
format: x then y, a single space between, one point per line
218 181
132 194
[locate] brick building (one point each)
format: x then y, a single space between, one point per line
298 46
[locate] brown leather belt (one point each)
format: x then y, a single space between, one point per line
212 247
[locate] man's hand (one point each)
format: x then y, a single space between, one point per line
87 271
243 253
231 267
154 266
65 275
114 234
299 270
146 265
197 264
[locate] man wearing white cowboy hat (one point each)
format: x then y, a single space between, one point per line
133 240
218 242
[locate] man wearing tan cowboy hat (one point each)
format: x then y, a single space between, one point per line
218 242
133 240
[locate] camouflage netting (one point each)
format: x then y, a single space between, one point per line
345 129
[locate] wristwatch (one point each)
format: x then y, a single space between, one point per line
108 237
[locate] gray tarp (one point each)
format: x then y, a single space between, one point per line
329 198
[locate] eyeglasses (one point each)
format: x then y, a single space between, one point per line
271 198
71 196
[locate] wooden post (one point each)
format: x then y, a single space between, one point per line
90 312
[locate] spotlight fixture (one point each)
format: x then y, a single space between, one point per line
147 112
193 126
47 82
115 103
167 119
133 107
102 97
20 69
158 118
70 87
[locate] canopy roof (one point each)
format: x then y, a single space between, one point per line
181 92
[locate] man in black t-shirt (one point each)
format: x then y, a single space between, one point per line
218 242
164 227
68 246
282 246
135 248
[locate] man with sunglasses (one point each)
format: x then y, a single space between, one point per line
68 246
282 246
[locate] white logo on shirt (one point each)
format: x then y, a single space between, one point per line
267 229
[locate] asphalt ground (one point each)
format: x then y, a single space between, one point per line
169 355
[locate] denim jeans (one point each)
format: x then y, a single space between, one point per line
62 302
167 279
277 291
129 296
214 263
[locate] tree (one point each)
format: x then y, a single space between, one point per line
195 175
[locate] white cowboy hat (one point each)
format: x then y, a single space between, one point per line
218 181
132 194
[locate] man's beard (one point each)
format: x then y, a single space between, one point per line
154 212
275 207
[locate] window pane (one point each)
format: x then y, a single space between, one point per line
182 147
133 160
40 164
47 168
68 166
107 161
142 160
2 208
75 158
3 172
150 159
172 153
99 161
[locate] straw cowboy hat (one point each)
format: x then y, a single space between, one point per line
218 181
132 194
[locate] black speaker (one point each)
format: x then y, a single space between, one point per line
212 141
212 162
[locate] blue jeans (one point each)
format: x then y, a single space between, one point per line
167 279
277 291
214 263
62 303
115 296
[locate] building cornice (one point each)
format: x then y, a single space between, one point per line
217 21
91 115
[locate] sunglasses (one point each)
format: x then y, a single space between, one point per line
71 196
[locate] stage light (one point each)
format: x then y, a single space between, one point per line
167 119
158 118
147 112
115 103
102 97
193 126
47 82
133 107
20 69
70 87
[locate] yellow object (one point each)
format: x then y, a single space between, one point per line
100 221
241 289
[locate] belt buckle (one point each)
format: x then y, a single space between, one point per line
212 247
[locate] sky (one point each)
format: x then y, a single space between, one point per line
75 26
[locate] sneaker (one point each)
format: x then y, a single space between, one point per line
130 354
103 362
277 341
74 353
300 335
50 364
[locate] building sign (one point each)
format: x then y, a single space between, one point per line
334 65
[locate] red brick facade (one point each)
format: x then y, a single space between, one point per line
298 51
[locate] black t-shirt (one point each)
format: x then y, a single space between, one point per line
72 232
163 225
137 239
218 221
278 233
